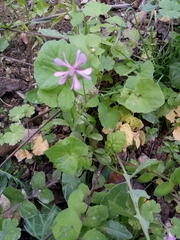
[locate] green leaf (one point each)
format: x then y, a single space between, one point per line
38 181
95 215
65 98
14 195
115 142
118 195
69 184
175 176
174 74
67 225
16 114
175 230
144 98
15 135
164 188
51 33
95 136
3 44
27 209
77 18
49 97
149 208
116 20
10 230
108 116
45 195
104 159
93 234
33 97
69 155
115 230
28 110
144 165
76 203
146 177
170 9
107 63
93 9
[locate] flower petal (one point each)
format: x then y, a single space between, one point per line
60 62
76 84
58 74
67 63
63 79
84 73
80 58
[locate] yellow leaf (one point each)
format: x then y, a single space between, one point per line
107 131
129 134
176 133
22 154
39 146
137 139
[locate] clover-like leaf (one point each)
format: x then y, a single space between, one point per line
149 208
10 230
14 135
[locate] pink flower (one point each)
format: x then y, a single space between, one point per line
171 237
73 70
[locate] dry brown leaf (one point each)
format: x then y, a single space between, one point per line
173 114
39 146
129 134
107 130
23 154
176 134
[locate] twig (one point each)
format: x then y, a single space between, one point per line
48 236
20 146
15 60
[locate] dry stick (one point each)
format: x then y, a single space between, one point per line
15 60
20 146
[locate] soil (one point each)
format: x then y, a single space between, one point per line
16 79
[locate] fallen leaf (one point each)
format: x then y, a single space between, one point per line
173 114
176 134
39 146
129 134
23 154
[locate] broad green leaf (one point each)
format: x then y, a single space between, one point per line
51 33
147 70
174 75
95 215
67 225
27 209
69 184
149 208
16 114
104 159
115 142
92 102
144 98
45 195
170 9
10 230
15 135
149 7
49 97
14 195
108 116
65 99
164 188
77 18
93 234
93 9
175 176
107 63
120 50
119 210
144 165
38 181
76 203
69 155
118 195
33 97
3 44
115 230
175 230
95 136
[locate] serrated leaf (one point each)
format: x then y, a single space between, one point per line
164 188
115 142
149 208
115 230
15 135
175 230
10 230
67 225
107 63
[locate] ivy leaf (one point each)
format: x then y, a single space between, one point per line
69 155
93 9
115 142
10 230
15 135
149 208
107 63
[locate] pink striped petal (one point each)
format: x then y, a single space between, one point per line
80 58
76 84
67 63
60 62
